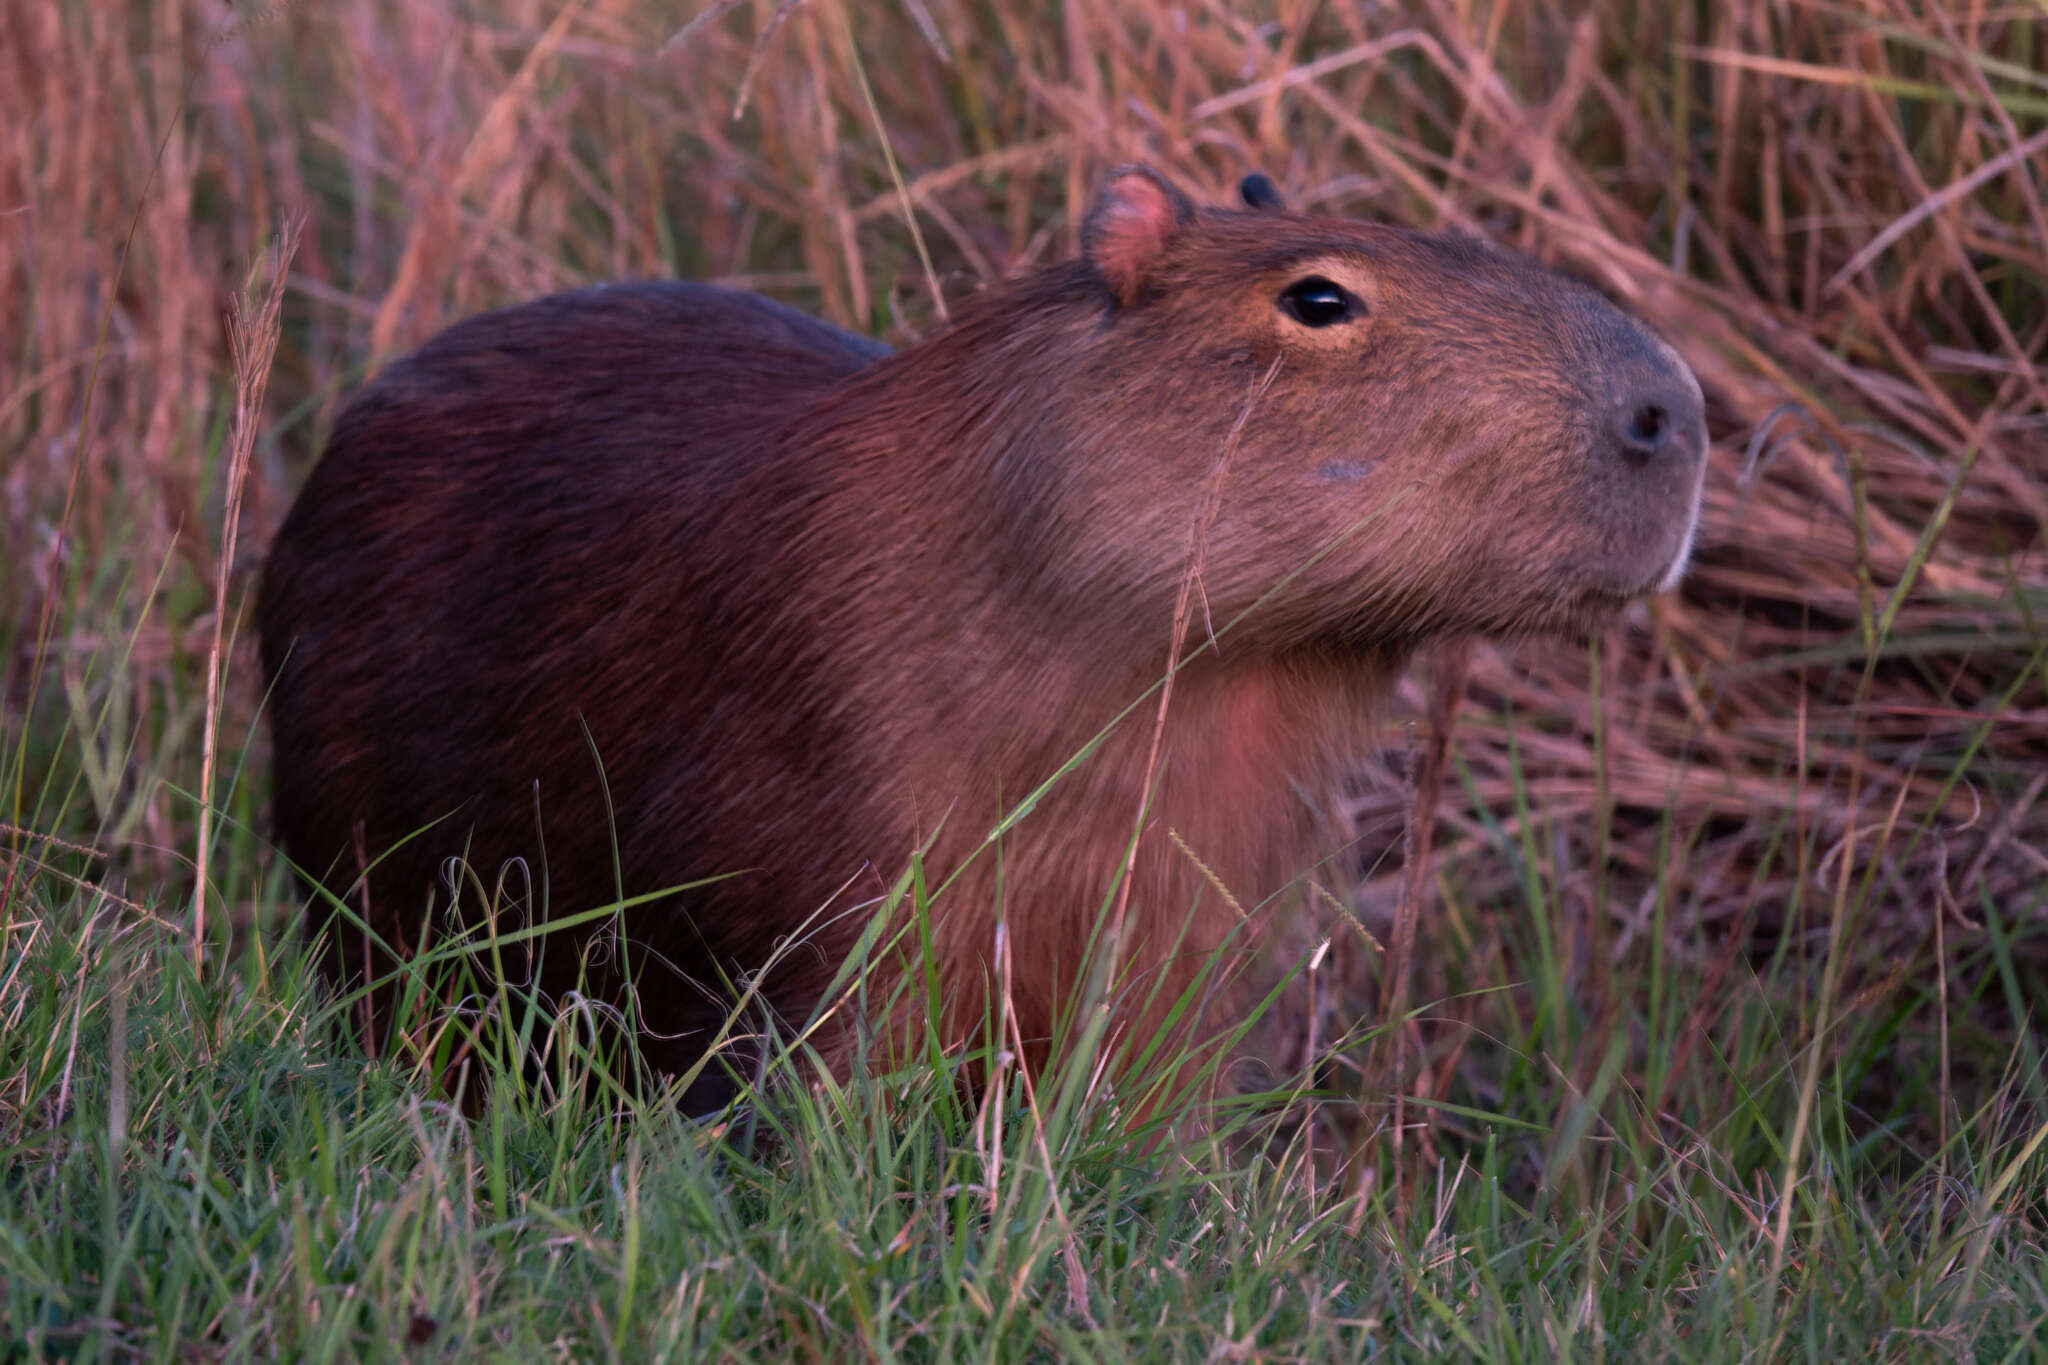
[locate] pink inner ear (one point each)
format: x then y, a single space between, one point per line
1131 225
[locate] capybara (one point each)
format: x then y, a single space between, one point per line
650 583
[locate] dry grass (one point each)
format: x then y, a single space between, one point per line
1836 733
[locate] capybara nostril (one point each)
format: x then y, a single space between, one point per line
1647 430
1661 421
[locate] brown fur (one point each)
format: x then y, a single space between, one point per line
812 604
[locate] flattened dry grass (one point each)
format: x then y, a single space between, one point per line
1729 937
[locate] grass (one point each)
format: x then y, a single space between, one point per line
197 1166
1720 1036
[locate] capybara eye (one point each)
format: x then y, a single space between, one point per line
1317 302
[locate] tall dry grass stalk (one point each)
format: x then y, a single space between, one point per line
252 345
1834 212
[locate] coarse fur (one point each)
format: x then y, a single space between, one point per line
653 582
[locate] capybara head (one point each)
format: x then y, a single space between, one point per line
1424 435
650 583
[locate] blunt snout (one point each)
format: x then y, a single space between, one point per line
1649 455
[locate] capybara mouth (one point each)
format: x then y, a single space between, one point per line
1680 562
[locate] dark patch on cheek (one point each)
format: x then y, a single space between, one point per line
1232 358
1345 471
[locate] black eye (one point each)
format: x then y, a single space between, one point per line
1317 302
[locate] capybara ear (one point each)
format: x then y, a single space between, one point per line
1134 217
1260 194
